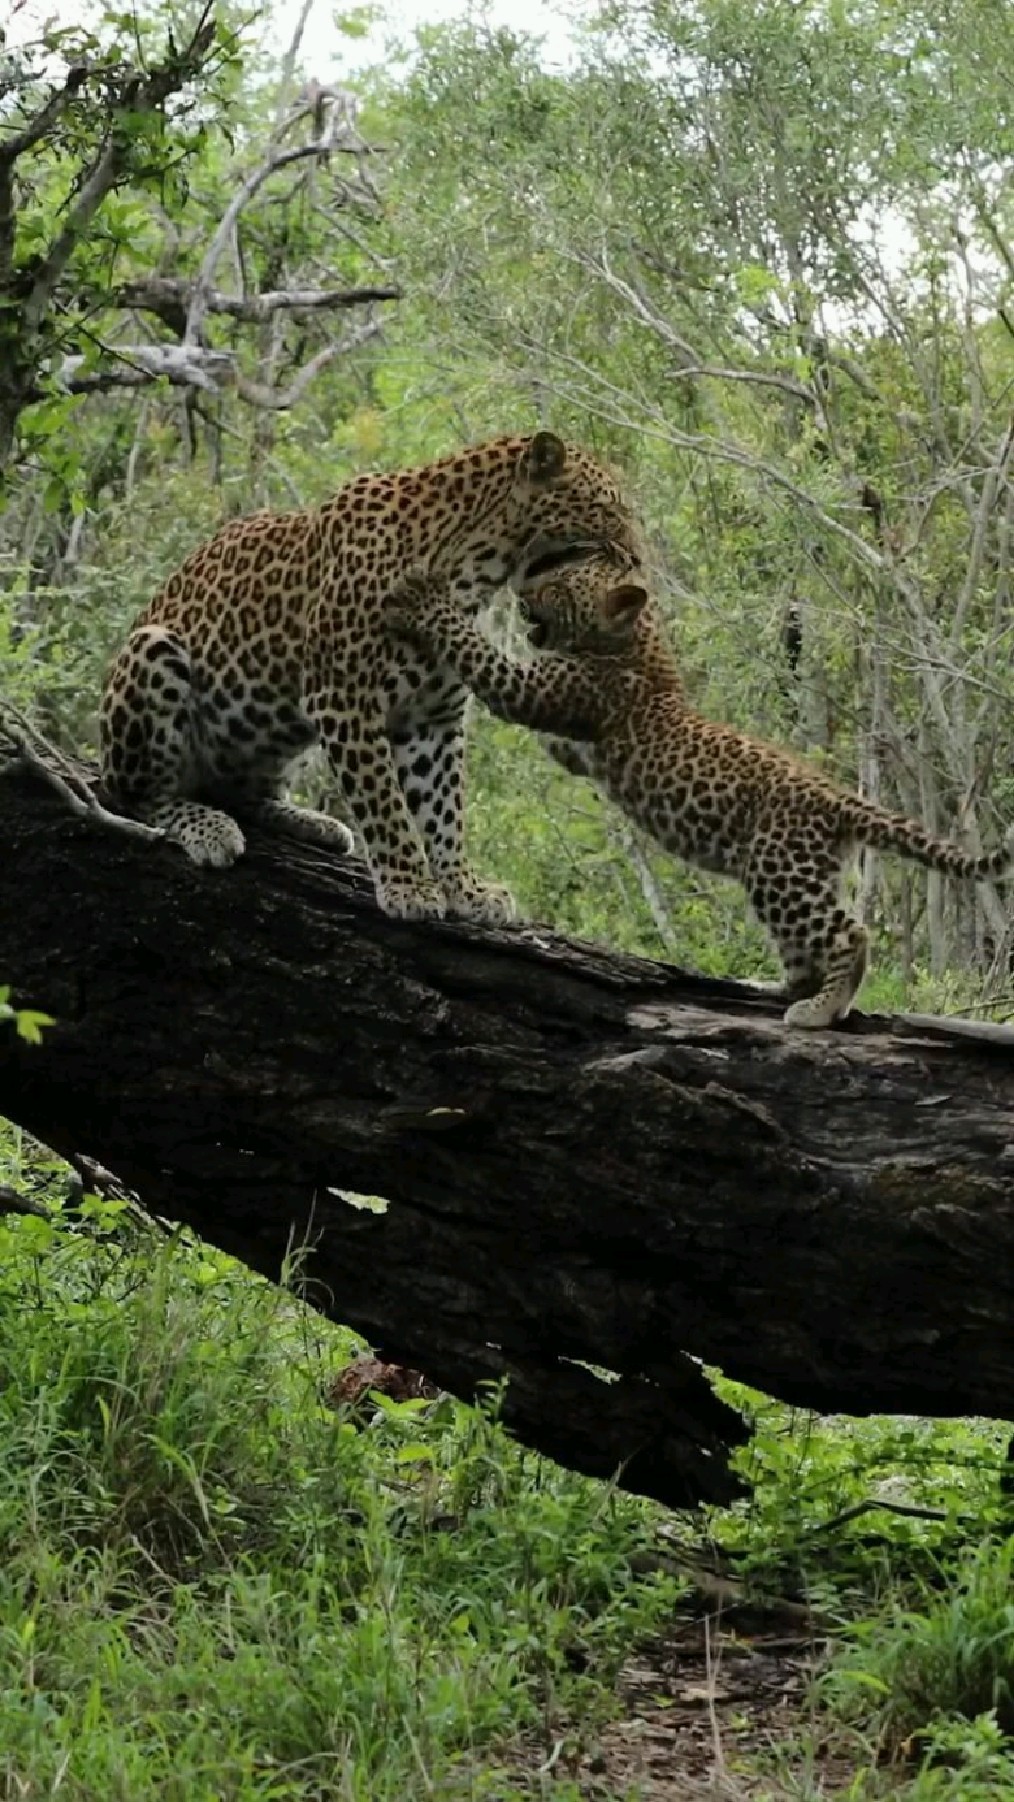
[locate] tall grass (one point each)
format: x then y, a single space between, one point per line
212 1586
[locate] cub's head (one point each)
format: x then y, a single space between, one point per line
588 609
601 610
563 505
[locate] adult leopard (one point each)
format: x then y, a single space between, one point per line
607 685
272 635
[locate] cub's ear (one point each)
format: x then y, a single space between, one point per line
623 605
544 459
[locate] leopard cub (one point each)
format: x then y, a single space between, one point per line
605 685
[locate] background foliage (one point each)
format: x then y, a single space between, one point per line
761 254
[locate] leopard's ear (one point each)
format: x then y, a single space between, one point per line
544 460
623 605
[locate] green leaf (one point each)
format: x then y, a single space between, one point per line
29 1023
416 1453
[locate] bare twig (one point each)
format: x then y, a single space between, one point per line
984 515
633 850
289 59
279 399
63 775
761 378
873 1505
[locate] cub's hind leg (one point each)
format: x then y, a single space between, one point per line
149 751
844 968
794 885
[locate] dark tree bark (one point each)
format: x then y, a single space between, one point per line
588 1158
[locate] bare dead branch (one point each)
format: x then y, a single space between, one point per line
185 366
164 294
202 287
13 1203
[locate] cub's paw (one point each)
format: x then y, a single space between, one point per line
815 1013
336 834
575 758
402 899
409 599
324 829
310 825
484 903
214 841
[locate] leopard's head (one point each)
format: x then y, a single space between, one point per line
564 505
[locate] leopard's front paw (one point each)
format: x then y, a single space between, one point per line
209 837
469 897
401 898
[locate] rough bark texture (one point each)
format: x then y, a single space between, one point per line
589 1159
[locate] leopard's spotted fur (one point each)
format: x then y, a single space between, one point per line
606 684
272 635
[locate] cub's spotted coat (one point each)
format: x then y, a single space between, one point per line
273 635
605 682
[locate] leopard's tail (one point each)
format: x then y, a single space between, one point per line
871 825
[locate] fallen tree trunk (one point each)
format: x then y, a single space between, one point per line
588 1158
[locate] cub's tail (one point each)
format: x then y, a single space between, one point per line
874 826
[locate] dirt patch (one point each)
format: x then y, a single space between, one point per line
708 1712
